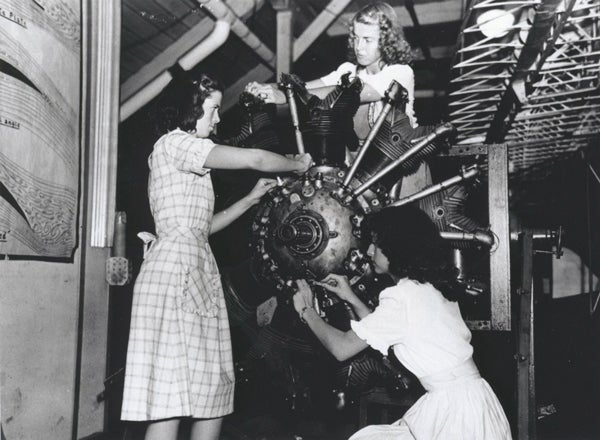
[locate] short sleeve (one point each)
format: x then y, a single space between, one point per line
388 324
334 77
187 152
401 73
396 72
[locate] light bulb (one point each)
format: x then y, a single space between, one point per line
495 23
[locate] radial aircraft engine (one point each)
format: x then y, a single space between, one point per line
310 226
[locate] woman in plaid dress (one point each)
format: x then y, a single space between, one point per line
179 357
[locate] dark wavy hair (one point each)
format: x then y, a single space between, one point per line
393 46
180 104
413 245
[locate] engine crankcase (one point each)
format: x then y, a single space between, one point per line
301 230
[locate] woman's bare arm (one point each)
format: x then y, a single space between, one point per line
224 218
271 93
342 345
233 158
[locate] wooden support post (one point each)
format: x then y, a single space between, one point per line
284 43
499 224
284 36
526 404
102 63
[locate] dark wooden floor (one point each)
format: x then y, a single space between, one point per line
238 427
567 420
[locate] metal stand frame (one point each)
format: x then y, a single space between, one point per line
500 281
526 402
536 93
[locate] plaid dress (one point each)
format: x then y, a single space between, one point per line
179 358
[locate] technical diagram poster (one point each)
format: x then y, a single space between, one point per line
40 65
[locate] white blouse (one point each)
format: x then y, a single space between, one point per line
380 81
426 331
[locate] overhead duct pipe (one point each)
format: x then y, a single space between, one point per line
226 20
211 43
221 11
144 95
207 46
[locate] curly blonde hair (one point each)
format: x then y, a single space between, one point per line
393 46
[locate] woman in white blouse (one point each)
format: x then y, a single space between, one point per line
378 54
420 320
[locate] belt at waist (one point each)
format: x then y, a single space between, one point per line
183 233
460 373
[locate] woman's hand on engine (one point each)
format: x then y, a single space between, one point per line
262 186
305 160
303 298
339 285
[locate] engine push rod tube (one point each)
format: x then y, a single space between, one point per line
484 237
465 173
289 93
394 93
439 131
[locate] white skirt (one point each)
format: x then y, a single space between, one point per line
454 408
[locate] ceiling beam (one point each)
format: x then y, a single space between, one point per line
330 18
167 58
221 10
302 43
176 50
323 21
284 36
